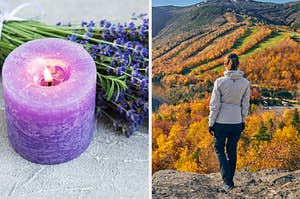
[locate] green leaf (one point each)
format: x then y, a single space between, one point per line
111 90
106 59
129 61
112 84
118 92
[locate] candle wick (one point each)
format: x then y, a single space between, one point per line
50 83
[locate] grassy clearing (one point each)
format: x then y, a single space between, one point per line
218 68
295 35
209 47
270 41
246 37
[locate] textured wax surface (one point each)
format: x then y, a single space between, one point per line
49 125
112 167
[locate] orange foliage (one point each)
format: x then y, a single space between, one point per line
276 67
184 143
206 48
180 137
261 34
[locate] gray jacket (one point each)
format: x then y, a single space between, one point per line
229 103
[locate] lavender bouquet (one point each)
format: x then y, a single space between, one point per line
120 52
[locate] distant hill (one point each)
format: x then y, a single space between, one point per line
172 19
270 183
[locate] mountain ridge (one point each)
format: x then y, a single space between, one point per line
174 19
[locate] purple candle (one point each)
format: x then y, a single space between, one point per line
49 88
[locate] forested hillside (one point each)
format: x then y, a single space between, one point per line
188 54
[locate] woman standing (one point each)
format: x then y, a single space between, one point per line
229 106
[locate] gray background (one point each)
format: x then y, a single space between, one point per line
78 10
113 166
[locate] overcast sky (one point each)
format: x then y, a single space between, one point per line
191 2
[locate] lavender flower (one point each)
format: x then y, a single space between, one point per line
124 55
83 23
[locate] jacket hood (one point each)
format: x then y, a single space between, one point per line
234 74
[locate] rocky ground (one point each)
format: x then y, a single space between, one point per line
270 183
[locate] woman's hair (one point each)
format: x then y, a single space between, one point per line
232 61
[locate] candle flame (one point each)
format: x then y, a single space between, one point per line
47 75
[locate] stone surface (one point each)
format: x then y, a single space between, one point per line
270 183
112 167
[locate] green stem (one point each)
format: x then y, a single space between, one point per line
7 46
43 32
130 96
107 115
12 39
18 32
108 66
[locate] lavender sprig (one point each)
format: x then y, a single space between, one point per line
121 55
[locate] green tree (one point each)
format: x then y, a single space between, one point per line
295 120
281 125
263 134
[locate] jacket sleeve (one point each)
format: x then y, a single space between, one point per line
246 103
215 104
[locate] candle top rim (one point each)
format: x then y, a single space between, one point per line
82 77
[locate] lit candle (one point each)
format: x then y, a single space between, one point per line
49 88
47 76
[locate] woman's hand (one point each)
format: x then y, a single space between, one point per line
243 126
211 129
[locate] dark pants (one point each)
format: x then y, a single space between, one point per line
227 136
